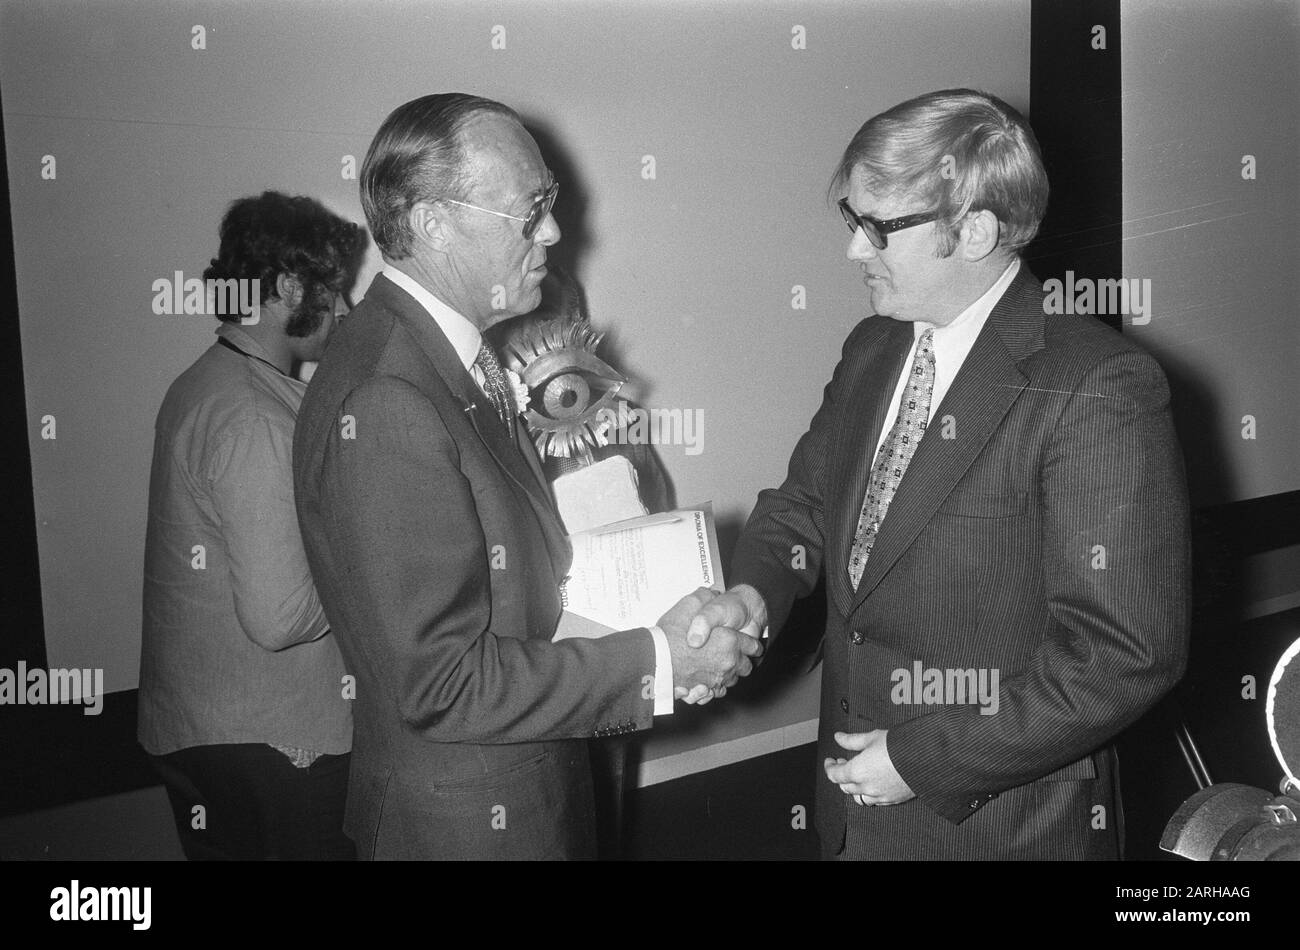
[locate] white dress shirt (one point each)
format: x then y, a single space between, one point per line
466 339
952 344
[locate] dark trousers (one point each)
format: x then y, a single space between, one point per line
611 771
247 802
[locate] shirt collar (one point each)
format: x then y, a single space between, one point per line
464 337
977 312
236 334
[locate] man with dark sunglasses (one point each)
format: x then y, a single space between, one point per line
431 530
996 500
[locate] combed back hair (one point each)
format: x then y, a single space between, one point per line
956 150
417 155
271 234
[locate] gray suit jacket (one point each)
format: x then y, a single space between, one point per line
437 554
1045 539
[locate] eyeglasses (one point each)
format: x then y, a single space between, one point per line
541 207
878 231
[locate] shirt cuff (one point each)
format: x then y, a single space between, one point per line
663 673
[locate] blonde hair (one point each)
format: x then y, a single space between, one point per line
956 150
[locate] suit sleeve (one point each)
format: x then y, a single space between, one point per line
781 550
404 518
1116 565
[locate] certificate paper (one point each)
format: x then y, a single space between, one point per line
627 574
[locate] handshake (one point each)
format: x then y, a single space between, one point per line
711 638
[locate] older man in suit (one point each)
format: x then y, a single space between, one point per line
431 532
996 498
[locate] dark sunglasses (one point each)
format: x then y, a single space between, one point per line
878 231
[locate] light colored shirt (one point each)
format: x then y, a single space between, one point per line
235 645
952 344
465 339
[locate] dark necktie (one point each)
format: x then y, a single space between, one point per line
895 454
498 388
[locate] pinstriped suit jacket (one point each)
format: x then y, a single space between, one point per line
1041 531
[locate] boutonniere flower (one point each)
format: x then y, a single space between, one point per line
521 391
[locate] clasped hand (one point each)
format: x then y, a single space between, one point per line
712 638
869 776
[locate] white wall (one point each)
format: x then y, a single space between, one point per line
1205 83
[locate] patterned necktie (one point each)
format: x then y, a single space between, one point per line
498 389
895 454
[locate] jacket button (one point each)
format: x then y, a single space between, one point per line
857 638
844 705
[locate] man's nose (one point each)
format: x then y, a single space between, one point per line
548 232
861 249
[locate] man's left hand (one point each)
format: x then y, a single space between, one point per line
869 776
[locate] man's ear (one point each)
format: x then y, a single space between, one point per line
979 235
289 289
431 225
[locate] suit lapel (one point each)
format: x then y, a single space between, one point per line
557 538
868 402
987 385
517 458
529 452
